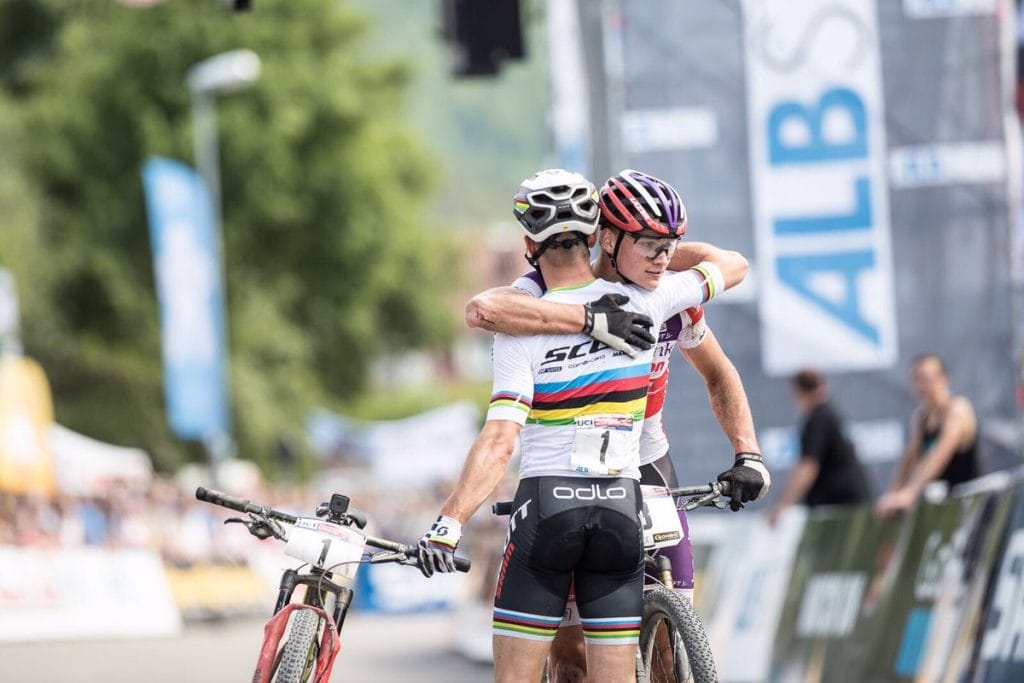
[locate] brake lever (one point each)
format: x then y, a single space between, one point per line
260 527
388 557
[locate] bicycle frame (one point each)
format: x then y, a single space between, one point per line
323 546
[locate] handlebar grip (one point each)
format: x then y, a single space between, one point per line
462 564
217 498
725 487
502 508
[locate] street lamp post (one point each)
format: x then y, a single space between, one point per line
225 72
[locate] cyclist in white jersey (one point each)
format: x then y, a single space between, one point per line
582 404
629 200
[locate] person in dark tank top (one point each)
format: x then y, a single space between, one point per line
943 442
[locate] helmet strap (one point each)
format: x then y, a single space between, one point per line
552 242
614 257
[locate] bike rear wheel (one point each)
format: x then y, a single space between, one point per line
298 656
673 645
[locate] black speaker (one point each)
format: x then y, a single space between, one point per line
483 33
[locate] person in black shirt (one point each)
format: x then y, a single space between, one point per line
943 443
828 472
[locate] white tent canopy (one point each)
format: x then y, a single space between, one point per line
85 466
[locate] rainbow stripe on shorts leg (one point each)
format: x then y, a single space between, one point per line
611 631
522 625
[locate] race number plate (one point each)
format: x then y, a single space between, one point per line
662 527
603 444
326 545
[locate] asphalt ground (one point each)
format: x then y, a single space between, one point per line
391 649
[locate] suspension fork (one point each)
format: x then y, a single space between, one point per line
285 589
662 567
341 606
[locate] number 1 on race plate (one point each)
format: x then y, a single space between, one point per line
660 518
604 444
326 545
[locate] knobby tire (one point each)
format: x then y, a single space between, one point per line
689 658
298 656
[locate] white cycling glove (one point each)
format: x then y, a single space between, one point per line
436 550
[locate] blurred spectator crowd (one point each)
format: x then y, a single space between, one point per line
168 519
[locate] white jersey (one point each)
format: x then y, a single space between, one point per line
686 329
583 403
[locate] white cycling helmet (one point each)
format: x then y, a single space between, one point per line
555 201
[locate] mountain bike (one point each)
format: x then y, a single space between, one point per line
673 646
331 547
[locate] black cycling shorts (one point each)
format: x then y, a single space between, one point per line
565 527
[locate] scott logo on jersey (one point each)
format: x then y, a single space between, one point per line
562 353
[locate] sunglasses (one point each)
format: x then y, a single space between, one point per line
653 247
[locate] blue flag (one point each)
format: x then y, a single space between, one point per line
186 260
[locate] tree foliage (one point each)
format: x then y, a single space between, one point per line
323 197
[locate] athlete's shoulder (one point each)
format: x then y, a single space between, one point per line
532 283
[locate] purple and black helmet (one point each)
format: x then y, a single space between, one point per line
633 201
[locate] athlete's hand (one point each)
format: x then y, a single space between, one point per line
749 477
436 550
622 330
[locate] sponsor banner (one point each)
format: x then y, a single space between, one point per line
961 591
84 593
874 440
648 130
816 119
960 164
749 595
396 589
933 9
838 593
999 644
207 590
186 258
898 643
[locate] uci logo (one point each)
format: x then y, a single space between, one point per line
592 492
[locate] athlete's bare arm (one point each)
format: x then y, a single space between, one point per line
732 263
800 482
725 393
484 467
915 473
512 311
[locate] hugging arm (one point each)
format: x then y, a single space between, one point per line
732 263
512 311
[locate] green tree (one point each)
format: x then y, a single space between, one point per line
323 195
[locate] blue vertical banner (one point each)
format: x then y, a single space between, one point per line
817 139
186 261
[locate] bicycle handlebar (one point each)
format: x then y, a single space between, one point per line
231 502
206 495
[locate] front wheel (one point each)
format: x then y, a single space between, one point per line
298 656
673 645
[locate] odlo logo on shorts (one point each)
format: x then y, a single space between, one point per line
592 492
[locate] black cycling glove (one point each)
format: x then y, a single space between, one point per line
749 477
622 330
